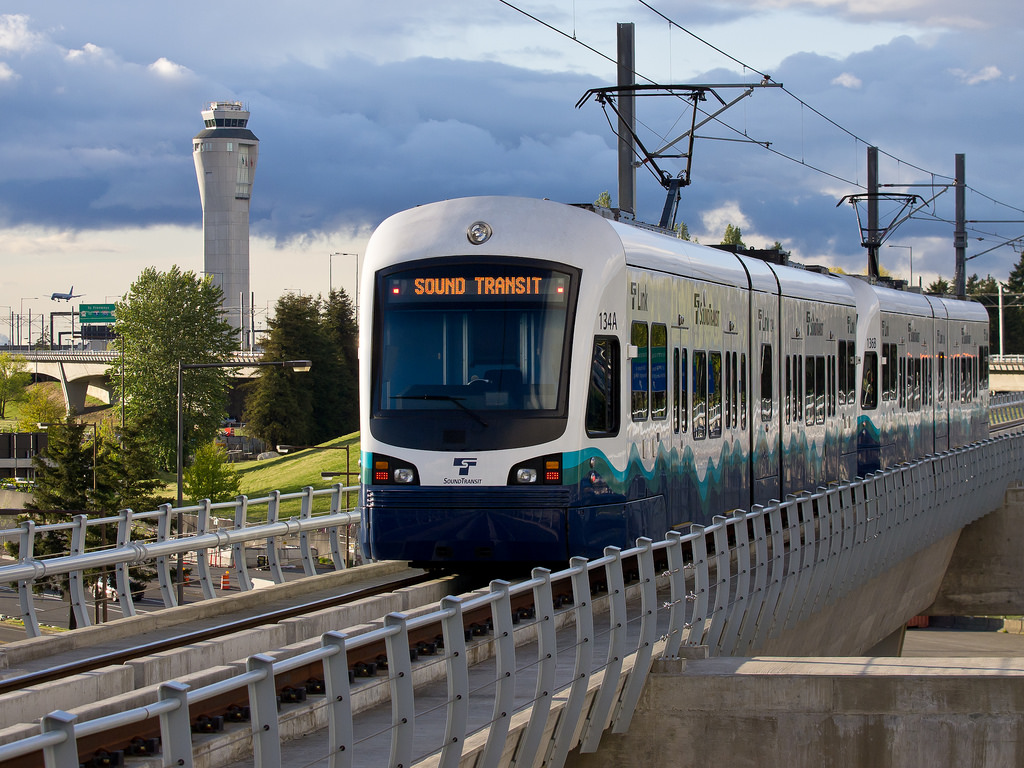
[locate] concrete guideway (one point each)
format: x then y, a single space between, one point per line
830 569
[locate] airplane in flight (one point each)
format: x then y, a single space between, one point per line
65 296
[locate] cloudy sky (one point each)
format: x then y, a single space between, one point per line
364 109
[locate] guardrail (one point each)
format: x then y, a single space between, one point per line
732 587
146 538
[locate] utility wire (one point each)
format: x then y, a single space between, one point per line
766 77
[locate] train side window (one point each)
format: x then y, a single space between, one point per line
603 398
700 394
798 389
902 383
809 393
767 379
789 389
715 394
842 372
743 390
659 371
675 390
851 373
831 374
869 382
727 394
983 367
819 389
639 371
734 383
940 370
684 375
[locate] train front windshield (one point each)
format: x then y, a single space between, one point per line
474 345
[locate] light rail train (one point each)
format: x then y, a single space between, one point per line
540 381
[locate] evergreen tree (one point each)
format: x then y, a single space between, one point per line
127 472
939 287
283 406
732 236
604 200
63 470
167 318
209 476
1013 311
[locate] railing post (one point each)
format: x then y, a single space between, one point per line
756 604
163 563
76 579
505 661
340 732
266 741
677 594
340 560
175 726
241 567
564 737
64 754
26 545
741 599
631 691
203 556
723 576
597 719
306 512
403 709
124 585
789 580
454 632
547 653
701 579
273 515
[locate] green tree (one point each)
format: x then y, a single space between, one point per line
283 406
940 286
14 379
127 472
732 236
209 476
39 407
1013 312
682 231
604 200
167 318
63 470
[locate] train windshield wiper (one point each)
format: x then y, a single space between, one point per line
446 398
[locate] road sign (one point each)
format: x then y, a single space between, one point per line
96 314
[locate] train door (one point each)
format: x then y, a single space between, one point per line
940 409
766 410
846 395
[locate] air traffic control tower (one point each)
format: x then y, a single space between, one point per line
225 154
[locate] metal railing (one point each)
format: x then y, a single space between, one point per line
146 538
731 586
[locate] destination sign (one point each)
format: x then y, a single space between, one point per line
478 283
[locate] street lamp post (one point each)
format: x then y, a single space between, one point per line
21 314
330 275
911 249
301 366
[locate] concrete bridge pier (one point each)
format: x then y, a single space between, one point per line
75 390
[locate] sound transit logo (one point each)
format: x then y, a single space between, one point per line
464 464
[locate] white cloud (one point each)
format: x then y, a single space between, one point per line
15 35
6 73
847 80
983 75
89 52
164 67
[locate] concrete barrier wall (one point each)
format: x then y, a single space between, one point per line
822 712
986 572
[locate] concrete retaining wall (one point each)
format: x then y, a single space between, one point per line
823 712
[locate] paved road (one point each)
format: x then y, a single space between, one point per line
959 643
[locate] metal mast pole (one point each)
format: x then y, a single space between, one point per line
872 240
627 118
960 233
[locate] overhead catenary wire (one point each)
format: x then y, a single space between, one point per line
767 77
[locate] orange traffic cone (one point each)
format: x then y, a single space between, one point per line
225 581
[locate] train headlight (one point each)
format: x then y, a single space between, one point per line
386 470
542 470
479 232
526 475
